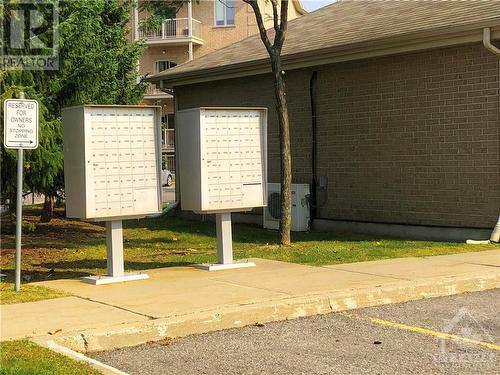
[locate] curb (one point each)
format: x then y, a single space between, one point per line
236 316
95 364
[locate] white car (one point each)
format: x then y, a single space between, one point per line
167 178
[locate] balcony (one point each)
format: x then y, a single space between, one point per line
152 92
167 140
173 31
168 162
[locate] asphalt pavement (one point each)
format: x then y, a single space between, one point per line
448 335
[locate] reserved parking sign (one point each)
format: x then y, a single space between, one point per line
20 124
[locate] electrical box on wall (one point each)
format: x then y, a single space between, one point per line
222 158
112 161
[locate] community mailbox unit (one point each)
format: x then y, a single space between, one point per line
112 171
222 160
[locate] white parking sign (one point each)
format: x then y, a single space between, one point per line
20 124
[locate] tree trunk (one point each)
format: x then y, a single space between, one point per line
285 160
48 209
280 22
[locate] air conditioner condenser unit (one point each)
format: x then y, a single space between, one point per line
300 207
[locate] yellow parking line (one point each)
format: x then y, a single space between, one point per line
430 332
425 331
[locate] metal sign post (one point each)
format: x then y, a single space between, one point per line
20 132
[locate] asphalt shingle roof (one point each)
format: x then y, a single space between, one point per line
349 22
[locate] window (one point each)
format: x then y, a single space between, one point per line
224 12
162 65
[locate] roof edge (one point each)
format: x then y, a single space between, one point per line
299 7
367 49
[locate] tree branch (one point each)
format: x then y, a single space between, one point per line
260 24
274 3
279 38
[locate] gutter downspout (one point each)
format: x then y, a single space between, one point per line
313 97
495 235
487 42
190 29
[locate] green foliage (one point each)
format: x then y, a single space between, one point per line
43 165
158 11
97 65
97 61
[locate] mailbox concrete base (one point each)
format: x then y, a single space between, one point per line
101 280
224 247
220 267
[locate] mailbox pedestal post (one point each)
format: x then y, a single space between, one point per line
224 246
114 245
224 238
115 262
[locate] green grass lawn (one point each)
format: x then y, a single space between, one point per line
27 358
28 293
71 248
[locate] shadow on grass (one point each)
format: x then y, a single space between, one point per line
243 233
147 242
61 243
100 264
81 268
250 233
63 233
35 276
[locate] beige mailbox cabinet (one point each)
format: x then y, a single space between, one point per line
112 169
222 159
111 161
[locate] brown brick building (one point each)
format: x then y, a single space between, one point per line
407 113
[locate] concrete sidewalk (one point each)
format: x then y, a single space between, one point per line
183 300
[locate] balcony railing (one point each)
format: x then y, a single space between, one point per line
169 162
154 92
167 140
173 30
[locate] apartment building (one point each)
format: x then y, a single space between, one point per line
199 27
391 121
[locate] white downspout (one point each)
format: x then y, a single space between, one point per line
487 42
190 28
495 235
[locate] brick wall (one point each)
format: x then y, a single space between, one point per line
258 92
408 139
